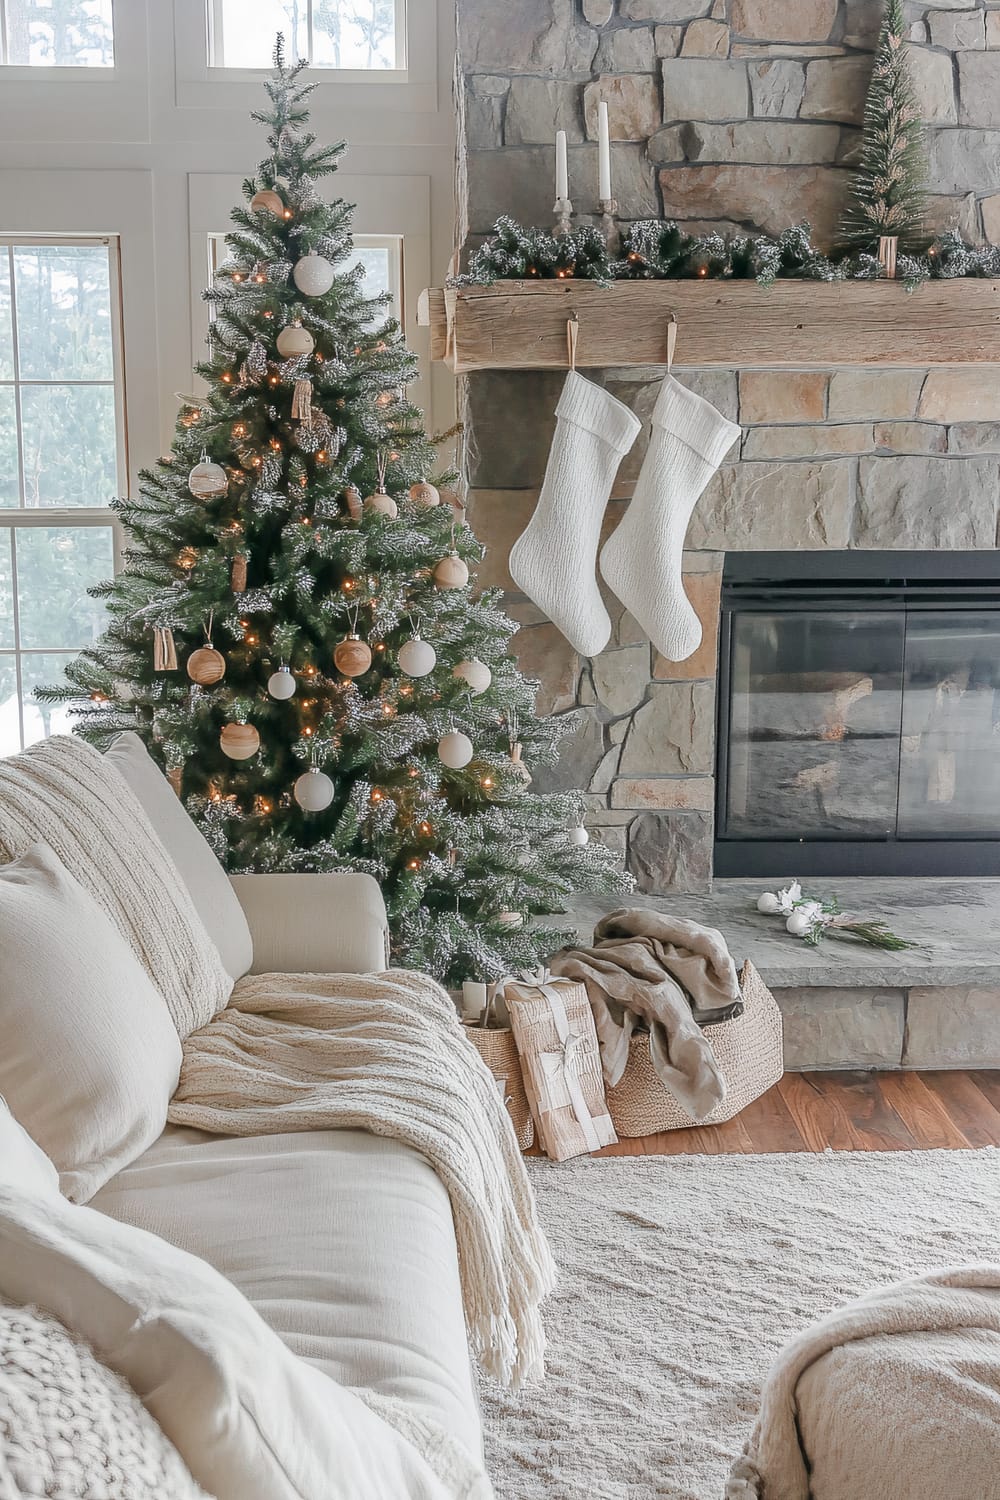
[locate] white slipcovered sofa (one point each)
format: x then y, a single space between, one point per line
342 1241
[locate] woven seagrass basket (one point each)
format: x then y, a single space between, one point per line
747 1049
498 1050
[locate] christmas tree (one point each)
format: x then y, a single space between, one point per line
296 635
887 195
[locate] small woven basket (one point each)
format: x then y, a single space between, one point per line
498 1050
747 1049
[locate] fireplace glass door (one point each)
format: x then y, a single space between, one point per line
859 718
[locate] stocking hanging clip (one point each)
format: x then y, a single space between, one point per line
572 333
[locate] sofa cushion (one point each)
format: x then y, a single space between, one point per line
70 1427
343 1241
207 883
62 793
23 1163
89 1056
246 1416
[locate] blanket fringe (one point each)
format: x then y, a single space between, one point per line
744 1481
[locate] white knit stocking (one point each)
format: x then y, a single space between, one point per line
554 560
642 560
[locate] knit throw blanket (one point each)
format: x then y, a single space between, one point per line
386 1053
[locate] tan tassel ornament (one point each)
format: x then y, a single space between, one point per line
302 402
238 574
164 650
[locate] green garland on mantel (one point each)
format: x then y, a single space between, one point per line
657 250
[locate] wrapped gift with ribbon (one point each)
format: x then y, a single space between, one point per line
560 1062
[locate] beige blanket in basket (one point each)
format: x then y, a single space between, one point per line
893 1397
670 975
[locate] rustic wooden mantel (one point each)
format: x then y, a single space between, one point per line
521 325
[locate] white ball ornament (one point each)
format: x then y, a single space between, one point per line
455 749
579 836
417 657
798 923
295 341
313 791
207 481
768 903
474 673
451 572
382 504
313 275
281 684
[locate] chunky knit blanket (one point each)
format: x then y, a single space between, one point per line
386 1053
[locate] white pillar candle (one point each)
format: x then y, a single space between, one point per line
562 166
603 152
473 999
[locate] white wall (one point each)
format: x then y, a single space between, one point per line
156 150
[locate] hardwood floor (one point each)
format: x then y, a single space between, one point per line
848 1112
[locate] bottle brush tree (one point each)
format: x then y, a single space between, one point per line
886 196
296 633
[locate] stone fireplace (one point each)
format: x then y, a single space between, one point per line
729 113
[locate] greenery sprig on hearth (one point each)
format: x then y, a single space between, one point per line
658 250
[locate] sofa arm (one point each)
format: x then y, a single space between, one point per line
314 924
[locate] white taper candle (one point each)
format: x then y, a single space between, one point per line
603 152
562 166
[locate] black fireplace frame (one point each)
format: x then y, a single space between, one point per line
758 581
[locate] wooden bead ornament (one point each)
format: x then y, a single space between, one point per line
313 790
352 657
281 684
313 275
294 342
424 494
268 201
207 481
417 657
455 749
451 572
474 673
239 741
206 666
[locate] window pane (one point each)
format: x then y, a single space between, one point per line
10 489
354 34
6 331
63 310
43 719
245 31
60 33
10 719
6 590
55 567
69 444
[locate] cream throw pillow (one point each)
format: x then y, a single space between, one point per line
207 882
62 793
89 1056
248 1417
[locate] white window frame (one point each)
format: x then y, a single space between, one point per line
339 75
199 84
50 70
23 517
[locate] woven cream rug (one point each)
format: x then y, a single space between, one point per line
680 1279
